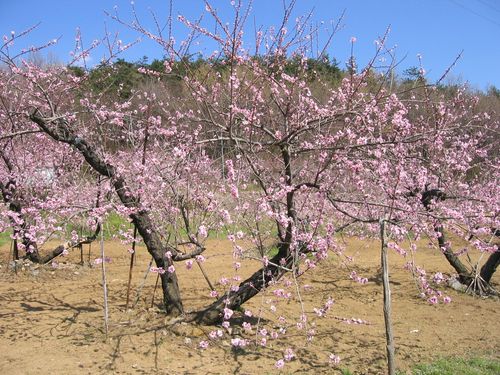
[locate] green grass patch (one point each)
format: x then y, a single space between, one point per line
113 224
451 366
5 237
454 366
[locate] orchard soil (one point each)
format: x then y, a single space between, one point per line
51 319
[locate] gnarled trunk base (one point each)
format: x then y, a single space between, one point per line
247 289
490 266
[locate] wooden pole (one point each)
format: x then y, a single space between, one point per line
104 285
387 299
132 256
142 284
154 290
81 254
131 268
90 250
205 276
11 252
15 254
15 250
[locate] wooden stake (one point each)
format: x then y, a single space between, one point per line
15 255
154 290
104 285
15 250
132 256
387 299
81 254
11 252
205 276
143 282
90 250
131 267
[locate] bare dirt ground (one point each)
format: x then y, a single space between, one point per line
51 319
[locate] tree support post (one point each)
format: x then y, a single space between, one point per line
387 298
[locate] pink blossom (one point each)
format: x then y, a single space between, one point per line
354 276
230 170
289 355
216 334
238 342
168 66
99 260
234 191
333 359
226 216
203 344
279 364
433 300
202 231
319 312
438 278
228 313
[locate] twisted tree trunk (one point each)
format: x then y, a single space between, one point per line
490 266
60 131
247 289
280 264
11 197
465 275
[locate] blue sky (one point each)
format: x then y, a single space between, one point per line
436 29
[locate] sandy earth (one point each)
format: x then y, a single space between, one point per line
51 320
